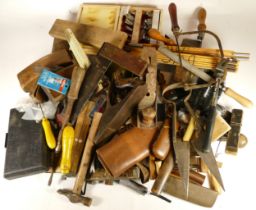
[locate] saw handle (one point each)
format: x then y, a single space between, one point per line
173 14
201 18
239 98
155 34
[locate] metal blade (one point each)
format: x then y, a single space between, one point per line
208 159
182 153
197 194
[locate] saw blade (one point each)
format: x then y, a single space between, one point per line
182 153
208 159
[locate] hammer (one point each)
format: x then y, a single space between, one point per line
75 195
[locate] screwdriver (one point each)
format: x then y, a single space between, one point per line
50 139
68 138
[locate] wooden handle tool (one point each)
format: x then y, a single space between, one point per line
201 18
239 98
173 14
75 195
163 174
85 162
161 146
155 34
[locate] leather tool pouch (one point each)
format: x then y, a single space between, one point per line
126 149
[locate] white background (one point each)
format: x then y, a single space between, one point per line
24 38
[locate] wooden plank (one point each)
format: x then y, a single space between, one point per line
86 34
76 48
136 26
126 60
101 15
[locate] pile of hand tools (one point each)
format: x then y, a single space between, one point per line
131 106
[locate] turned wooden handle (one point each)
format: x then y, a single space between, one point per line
85 162
201 18
161 146
155 34
173 14
239 98
163 174
190 129
76 82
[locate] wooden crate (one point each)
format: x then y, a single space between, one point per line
102 15
112 16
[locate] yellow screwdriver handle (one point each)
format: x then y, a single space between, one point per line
50 139
68 138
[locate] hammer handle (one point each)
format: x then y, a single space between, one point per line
173 14
86 158
239 98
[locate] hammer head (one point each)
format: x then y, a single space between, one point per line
75 198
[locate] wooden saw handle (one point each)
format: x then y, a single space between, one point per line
239 98
173 14
155 34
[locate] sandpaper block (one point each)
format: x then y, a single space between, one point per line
26 149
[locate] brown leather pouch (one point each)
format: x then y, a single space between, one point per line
126 149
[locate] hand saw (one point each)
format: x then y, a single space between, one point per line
208 158
182 152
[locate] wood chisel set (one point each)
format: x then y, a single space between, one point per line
133 106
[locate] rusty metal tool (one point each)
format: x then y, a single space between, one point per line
75 195
149 54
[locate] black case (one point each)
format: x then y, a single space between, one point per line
27 152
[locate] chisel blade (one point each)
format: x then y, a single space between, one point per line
208 159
